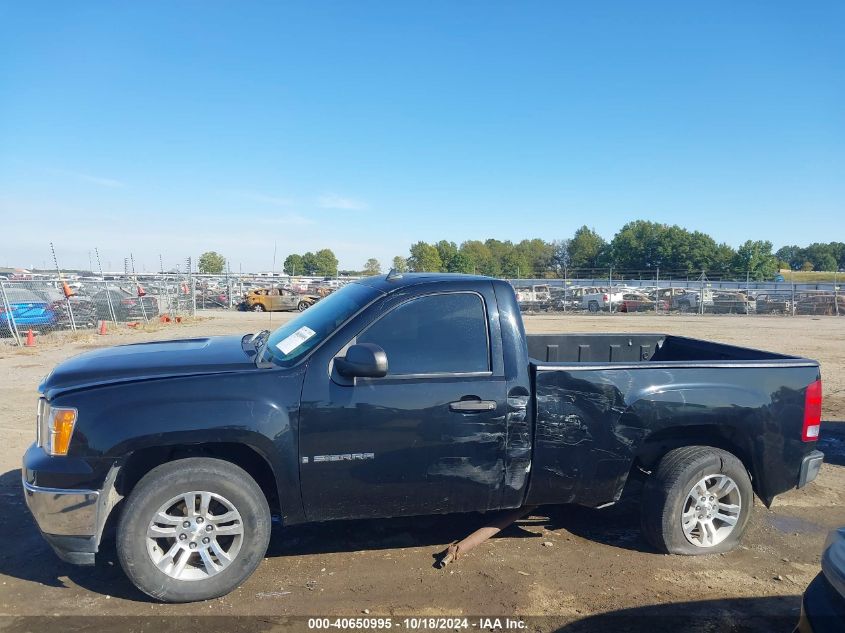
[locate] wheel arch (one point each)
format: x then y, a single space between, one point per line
142 461
724 437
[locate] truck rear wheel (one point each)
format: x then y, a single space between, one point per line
698 501
193 529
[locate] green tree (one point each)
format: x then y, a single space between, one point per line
372 267
293 265
446 250
560 258
325 263
211 263
756 258
400 264
794 256
424 258
643 245
309 264
587 249
722 260
538 255
460 263
483 262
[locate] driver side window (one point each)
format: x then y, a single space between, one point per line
434 334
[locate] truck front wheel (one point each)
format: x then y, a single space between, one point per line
698 501
193 529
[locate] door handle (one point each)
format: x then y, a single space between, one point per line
472 406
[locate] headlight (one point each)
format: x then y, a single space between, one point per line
833 560
54 427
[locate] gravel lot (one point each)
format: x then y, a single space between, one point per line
583 570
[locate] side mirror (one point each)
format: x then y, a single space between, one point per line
363 361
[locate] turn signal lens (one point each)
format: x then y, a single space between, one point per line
61 428
812 412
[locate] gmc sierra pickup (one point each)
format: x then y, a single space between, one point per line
404 395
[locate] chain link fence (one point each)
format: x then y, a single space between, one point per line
677 297
41 308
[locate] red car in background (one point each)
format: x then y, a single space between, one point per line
633 302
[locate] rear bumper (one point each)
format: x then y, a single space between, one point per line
810 466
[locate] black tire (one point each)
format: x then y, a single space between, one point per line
666 491
303 306
171 480
685 307
257 307
593 306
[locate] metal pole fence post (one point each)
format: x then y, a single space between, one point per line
747 291
793 296
657 291
835 294
7 308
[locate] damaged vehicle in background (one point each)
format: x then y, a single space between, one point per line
398 396
276 300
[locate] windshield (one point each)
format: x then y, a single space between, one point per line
294 339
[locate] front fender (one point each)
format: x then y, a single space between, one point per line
258 409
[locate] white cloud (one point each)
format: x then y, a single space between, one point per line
334 201
257 196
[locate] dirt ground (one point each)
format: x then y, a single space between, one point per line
562 568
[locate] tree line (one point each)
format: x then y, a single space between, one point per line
639 248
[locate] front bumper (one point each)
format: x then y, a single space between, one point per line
70 519
810 466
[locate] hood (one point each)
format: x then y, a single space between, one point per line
145 361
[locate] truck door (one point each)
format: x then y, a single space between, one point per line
427 438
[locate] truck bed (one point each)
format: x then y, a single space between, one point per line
601 400
638 348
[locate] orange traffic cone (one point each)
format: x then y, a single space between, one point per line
141 291
67 290
30 338
102 328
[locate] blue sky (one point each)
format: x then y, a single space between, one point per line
176 127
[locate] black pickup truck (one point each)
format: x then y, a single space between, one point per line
405 395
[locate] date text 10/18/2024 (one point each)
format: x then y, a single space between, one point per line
418 623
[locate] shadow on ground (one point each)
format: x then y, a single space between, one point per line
832 442
31 559
771 614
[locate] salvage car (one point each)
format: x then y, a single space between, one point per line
398 396
277 299
635 302
124 305
733 303
25 309
773 304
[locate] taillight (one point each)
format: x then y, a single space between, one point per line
812 412
605 298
